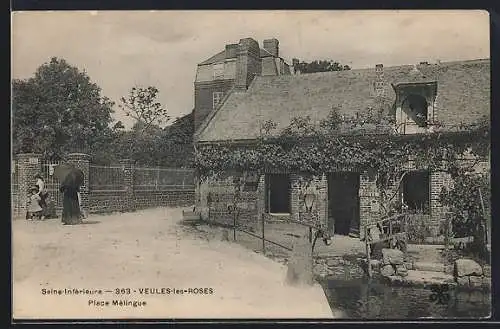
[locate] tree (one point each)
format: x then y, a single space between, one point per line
142 105
176 144
168 147
318 66
59 110
468 201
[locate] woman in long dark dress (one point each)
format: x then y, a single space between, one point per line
71 207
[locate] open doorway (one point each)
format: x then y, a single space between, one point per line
416 190
277 194
343 203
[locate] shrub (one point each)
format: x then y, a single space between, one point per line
418 227
464 203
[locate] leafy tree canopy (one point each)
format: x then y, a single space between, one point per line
142 105
318 66
60 110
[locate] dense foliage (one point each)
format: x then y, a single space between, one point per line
364 142
60 110
468 201
318 66
166 147
142 105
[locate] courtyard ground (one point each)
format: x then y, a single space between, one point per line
148 249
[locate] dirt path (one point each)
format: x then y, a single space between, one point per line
148 249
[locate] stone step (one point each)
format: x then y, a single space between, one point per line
424 279
190 215
432 267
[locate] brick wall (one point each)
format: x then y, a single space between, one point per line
222 193
317 185
28 167
97 201
248 63
369 199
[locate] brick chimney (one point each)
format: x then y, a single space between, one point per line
231 50
272 46
248 63
379 80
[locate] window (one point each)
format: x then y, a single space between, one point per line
416 191
217 98
278 194
416 108
218 70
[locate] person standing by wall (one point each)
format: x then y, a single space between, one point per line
34 210
42 193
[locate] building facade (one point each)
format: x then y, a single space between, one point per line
234 67
419 97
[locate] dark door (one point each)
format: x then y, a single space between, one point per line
278 193
343 203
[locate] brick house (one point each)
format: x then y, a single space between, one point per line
418 95
234 67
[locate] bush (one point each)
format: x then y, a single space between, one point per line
466 208
464 203
418 227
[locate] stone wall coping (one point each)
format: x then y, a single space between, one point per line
126 161
79 155
27 155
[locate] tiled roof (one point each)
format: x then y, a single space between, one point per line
220 57
463 96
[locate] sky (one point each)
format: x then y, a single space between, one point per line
122 49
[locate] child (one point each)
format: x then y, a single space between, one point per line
34 209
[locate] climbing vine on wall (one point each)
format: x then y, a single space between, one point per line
366 142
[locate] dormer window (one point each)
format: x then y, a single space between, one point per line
416 108
218 70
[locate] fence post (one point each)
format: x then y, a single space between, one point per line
128 184
82 162
28 166
368 251
263 220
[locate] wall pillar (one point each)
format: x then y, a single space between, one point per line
82 162
28 165
128 172
261 201
369 201
438 179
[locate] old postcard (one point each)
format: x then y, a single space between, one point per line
251 165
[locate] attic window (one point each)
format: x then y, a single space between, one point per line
218 70
415 107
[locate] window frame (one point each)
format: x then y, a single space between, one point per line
220 96
408 99
218 71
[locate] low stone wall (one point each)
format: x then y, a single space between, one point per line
470 274
99 202
102 202
142 200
